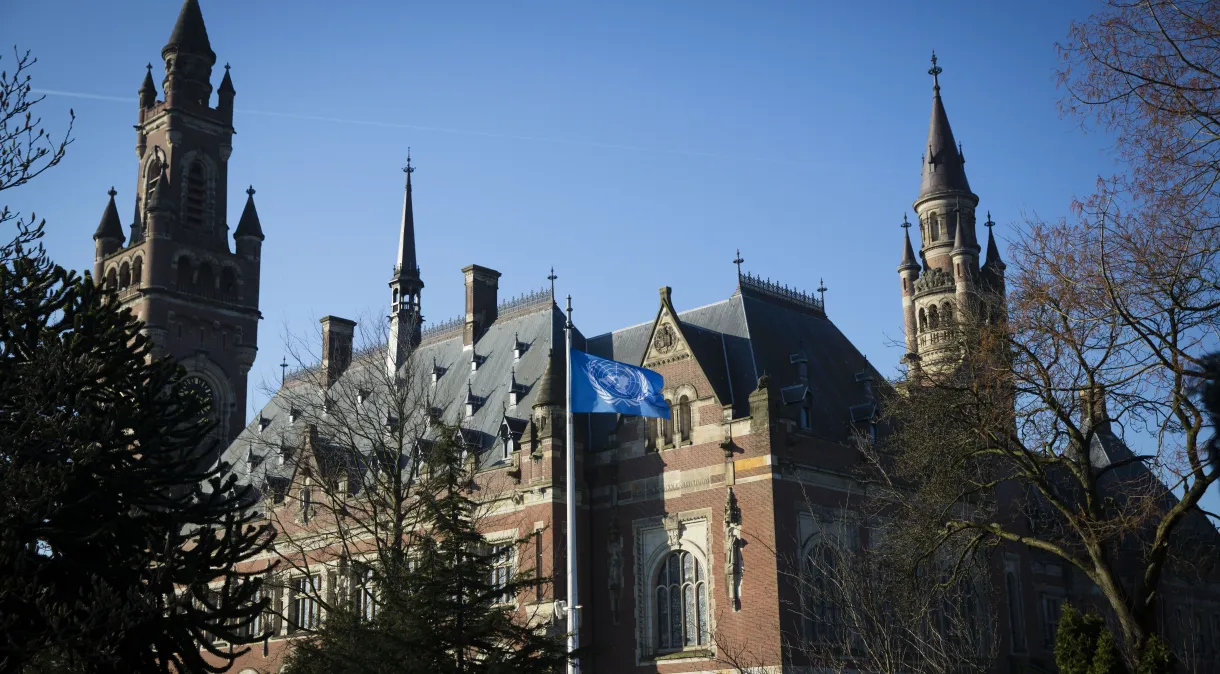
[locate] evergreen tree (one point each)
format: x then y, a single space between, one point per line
443 610
115 516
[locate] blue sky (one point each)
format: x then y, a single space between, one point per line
630 144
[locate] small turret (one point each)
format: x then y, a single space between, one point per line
148 90
109 235
225 94
249 234
908 271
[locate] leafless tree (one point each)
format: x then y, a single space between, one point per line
26 149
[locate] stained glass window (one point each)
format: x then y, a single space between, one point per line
681 597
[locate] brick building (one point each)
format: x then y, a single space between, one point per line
679 521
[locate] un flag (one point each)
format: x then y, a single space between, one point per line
600 385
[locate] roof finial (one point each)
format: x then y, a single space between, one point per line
935 72
283 369
822 291
738 262
408 169
989 224
111 192
905 223
250 190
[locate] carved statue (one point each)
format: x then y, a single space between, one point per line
733 563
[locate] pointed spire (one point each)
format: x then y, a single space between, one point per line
908 252
993 251
226 84
148 90
110 227
406 265
190 35
943 167
160 199
249 225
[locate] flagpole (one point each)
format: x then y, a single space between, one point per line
570 450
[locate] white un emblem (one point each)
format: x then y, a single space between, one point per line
616 383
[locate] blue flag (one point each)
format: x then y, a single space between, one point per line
600 385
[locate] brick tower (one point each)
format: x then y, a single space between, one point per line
949 286
197 297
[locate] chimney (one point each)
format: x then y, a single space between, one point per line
1093 414
337 336
481 286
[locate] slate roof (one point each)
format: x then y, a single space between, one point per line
490 385
944 166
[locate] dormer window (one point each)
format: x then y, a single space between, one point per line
437 372
475 361
362 395
293 414
473 402
516 391
510 446
518 347
263 423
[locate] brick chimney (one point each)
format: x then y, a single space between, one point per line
1093 413
481 286
337 334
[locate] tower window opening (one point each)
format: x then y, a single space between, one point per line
124 276
933 317
923 320
196 196
112 279
947 314
186 274
137 270
934 225
207 280
228 284
684 418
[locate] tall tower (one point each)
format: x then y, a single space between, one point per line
949 286
405 285
197 298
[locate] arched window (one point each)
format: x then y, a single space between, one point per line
137 271
684 418
933 317
186 274
667 429
923 320
207 280
934 226
196 195
819 597
112 279
124 276
681 596
228 284
946 312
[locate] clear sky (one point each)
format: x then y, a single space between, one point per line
631 144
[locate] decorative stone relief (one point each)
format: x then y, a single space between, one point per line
614 552
733 566
665 339
673 531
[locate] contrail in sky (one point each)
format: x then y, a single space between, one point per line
458 132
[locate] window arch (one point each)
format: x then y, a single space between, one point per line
923 320
946 314
684 418
124 276
112 279
820 615
186 274
195 198
137 270
681 598
933 317
207 280
228 284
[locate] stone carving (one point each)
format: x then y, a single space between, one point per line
733 566
673 531
614 552
933 278
665 339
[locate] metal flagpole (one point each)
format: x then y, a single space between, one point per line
569 449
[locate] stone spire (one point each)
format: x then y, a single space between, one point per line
190 35
188 59
908 252
406 319
249 226
110 229
407 266
993 251
944 168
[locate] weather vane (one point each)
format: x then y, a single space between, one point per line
738 262
408 169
